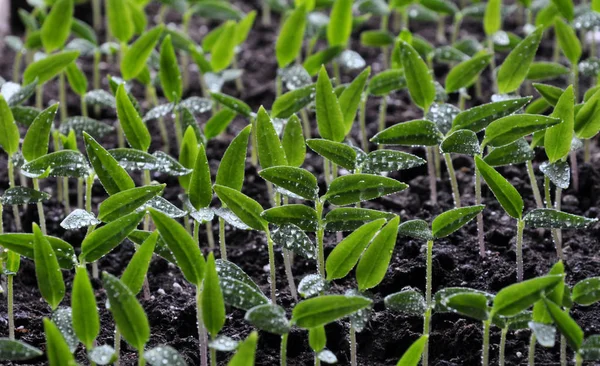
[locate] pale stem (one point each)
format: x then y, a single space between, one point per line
362 118
353 358
117 346
480 234
502 346
17 67
195 234
290 276
278 85
456 27
11 182
485 358
239 84
40 207
62 96
209 235
162 127
96 75
428 285
11 313
440 36
305 123
213 357
574 170
283 350
320 235
202 335
438 161
531 357
453 181
39 97
80 193
272 267
554 232
66 198
492 63
178 129
266 13
563 349
432 176
520 227
97 15
222 246
587 151
336 74
534 186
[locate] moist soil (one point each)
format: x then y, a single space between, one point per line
455 340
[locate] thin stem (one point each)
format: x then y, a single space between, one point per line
213 357
40 207
278 85
480 236
66 198
80 193
17 67
382 113
557 243
578 360
453 181
326 171
429 273
353 358
336 73
563 349
426 329
266 13
196 232
432 176
534 186
587 151
10 305
39 97
456 27
239 84
520 227
290 275
531 357
162 127
320 235
575 81
202 335
117 346
305 123
485 357
272 268
11 182
97 15
502 346
62 96
437 160
209 235
254 147
222 245
574 170
178 129
283 350
362 121
141 359
492 63
440 35
96 73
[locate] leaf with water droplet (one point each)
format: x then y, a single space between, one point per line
551 218
418 229
559 173
407 301
330 120
590 349
126 202
295 180
439 304
452 220
325 309
506 194
311 285
545 334
270 318
24 93
461 142
113 177
14 350
246 352
232 167
515 153
386 82
416 132
47 68
515 298
23 195
79 124
233 103
63 318
514 69
64 163
418 77
508 129
291 237
223 344
565 324
351 218
84 314
479 117
238 288
102 355
135 272
471 304
355 188
35 143
139 236
57 349
466 73
167 164
587 292
247 209
22 244
47 269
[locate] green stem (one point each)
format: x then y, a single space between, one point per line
209 235
563 349
531 356
62 96
39 97
382 113
117 346
147 183
96 74
480 234
336 73
10 305
213 357
17 67
222 246
305 123
266 13
66 198
11 182
456 27
290 275
272 267
440 35
587 151
162 127
432 177
437 160
254 147
320 235
453 181
97 15
426 330
141 359
362 121
520 227
278 85
283 350
492 63
534 186
40 207
574 170
196 232
575 81
326 171
83 106
578 360
485 358
502 346
353 358
202 335
239 84
557 243
178 129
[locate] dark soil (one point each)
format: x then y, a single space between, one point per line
456 261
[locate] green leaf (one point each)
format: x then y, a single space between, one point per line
269 318
546 70
383 160
540 313
57 25
164 355
200 190
587 292
23 195
373 264
330 120
232 166
350 218
376 38
294 238
247 209
187 155
103 240
48 67
184 247
567 39
311 285
35 143
238 288
452 220
213 305
120 22
551 218
325 309
135 130
351 96
478 118
317 338
345 255
170 77
515 298
418 77
355 188
473 305
549 92
339 27
508 129
246 352
296 180
418 229
214 9
233 103
126 202
57 349
506 194
112 176
386 82
293 142
13 350
127 312
559 173
590 349
289 41
218 123
269 148
416 132
23 245
566 8
565 324
461 142
135 273
244 27
466 73
47 270
23 94
337 152
516 153
557 139
515 67
86 322
64 163
412 356
77 79
135 58
492 19
313 63
406 301
587 120
293 101
223 52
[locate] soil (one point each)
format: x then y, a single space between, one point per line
455 340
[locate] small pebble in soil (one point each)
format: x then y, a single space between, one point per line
161 292
177 287
266 268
